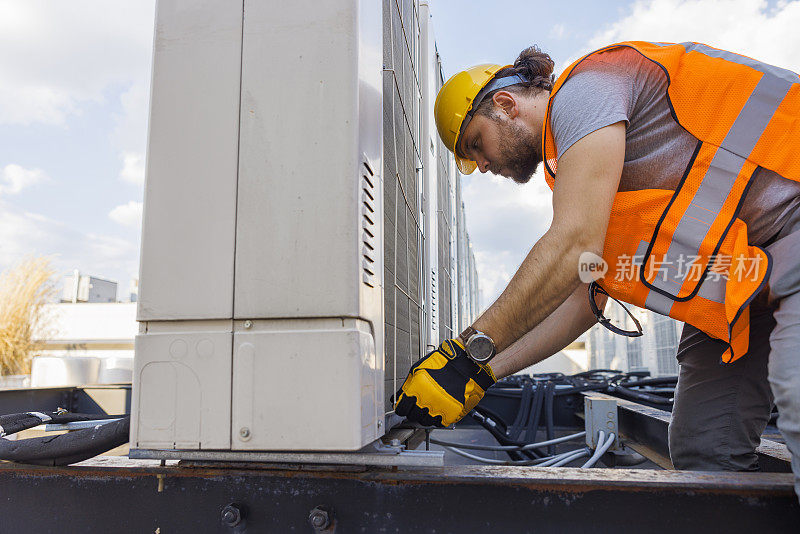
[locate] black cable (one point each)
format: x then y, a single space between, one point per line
69 448
17 422
496 417
522 411
548 412
639 395
501 438
486 418
656 381
535 415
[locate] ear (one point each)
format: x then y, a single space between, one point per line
507 103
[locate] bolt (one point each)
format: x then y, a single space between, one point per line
244 432
248 324
395 443
231 515
319 519
380 424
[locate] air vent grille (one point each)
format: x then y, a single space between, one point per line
369 213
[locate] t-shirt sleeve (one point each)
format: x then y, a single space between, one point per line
593 98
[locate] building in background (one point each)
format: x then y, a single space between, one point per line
654 351
86 288
133 290
85 343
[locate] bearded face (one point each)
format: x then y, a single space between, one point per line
519 149
502 145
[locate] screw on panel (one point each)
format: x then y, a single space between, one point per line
244 432
320 518
231 515
248 324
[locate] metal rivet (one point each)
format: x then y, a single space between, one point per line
244 432
231 515
248 324
319 519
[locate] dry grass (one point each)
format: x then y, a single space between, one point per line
24 290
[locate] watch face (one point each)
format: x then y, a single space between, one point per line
480 348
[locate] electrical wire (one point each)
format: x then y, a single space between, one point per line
568 459
534 397
501 448
548 410
557 458
542 462
601 449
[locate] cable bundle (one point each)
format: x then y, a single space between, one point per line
536 394
61 449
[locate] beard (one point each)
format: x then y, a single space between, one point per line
520 150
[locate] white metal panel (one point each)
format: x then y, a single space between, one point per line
182 390
429 81
190 191
310 132
306 385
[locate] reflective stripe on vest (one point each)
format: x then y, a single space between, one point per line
725 179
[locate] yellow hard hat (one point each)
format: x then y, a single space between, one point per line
455 100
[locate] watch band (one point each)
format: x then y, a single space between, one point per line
466 334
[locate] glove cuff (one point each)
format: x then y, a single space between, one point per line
489 372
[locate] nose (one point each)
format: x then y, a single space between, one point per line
483 165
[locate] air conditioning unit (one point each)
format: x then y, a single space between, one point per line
285 284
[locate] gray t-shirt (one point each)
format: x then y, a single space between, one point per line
657 150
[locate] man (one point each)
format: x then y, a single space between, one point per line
678 159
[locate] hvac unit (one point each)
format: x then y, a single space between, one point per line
284 269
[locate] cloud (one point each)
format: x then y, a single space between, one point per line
132 168
559 31
130 133
748 27
504 220
128 215
57 56
24 233
14 178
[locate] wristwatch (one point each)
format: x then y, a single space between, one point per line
478 345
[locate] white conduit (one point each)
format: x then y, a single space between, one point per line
602 447
508 447
557 460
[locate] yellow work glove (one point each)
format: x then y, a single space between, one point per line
443 387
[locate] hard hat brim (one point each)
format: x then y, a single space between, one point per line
466 166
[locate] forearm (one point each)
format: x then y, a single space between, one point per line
555 332
585 187
547 276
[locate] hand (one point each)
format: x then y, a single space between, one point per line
443 387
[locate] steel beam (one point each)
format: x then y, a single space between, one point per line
648 427
121 495
385 456
101 399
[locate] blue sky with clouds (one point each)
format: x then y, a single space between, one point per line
74 81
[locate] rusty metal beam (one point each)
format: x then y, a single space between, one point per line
121 495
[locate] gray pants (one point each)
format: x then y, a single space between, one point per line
722 409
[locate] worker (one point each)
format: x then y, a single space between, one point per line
676 186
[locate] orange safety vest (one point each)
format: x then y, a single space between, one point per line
684 253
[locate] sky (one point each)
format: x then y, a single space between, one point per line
74 83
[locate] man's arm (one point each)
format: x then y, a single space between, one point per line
586 182
558 330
